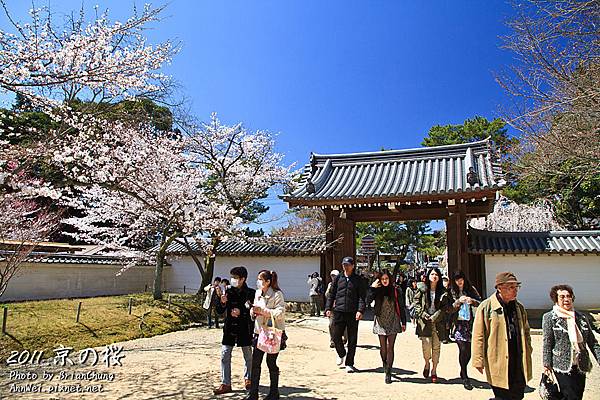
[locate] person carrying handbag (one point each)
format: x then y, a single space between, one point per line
465 300
567 335
432 302
269 310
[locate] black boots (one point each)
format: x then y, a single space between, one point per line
388 374
467 384
273 395
274 388
253 393
252 396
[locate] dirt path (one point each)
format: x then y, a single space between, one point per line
185 365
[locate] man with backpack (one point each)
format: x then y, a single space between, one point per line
315 292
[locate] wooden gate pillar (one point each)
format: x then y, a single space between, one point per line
456 236
341 239
329 254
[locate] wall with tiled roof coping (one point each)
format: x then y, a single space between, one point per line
262 246
488 242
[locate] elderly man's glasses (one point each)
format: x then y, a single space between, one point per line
511 287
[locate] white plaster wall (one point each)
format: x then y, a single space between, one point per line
292 272
56 281
540 273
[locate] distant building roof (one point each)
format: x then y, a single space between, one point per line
262 246
399 175
559 242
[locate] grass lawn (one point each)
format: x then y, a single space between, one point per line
46 324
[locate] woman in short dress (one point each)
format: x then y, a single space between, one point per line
390 318
465 300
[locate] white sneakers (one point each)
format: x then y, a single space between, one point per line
340 363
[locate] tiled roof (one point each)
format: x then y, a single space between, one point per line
262 246
399 174
57 258
488 242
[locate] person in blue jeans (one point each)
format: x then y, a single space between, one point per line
238 327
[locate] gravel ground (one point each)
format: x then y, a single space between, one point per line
185 365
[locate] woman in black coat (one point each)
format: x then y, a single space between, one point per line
390 318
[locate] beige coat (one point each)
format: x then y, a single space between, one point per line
272 301
489 346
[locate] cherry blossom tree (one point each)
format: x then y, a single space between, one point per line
99 60
74 73
240 165
133 181
303 222
23 225
140 184
509 216
145 184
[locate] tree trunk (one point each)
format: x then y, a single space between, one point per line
402 256
158 270
209 262
160 261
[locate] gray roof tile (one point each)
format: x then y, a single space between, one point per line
488 242
399 174
262 246
65 258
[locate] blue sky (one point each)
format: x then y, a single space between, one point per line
334 76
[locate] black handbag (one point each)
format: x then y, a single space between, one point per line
284 339
549 389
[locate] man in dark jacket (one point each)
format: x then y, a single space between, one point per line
348 293
238 328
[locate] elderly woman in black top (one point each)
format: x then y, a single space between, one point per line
465 300
567 333
390 318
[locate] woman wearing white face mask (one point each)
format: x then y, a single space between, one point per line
269 305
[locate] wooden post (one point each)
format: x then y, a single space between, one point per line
329 253
183 289
169 301
4 317
477 273
344 233
130 305
78 312
146 288
456 232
